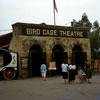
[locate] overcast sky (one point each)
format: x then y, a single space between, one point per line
41 11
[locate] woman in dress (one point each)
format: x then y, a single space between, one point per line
72 73
88 71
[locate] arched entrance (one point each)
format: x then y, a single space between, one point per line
36 59
78 56
58 56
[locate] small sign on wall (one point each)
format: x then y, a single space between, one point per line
24 62
52 66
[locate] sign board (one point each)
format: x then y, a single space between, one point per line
13 62
51 31
52 66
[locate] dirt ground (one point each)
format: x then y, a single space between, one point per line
51 89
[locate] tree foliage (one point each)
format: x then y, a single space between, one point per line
84 22
95 40
95 25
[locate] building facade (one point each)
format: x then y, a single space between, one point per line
40 43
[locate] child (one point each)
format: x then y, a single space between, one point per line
84 76
43 70
80 72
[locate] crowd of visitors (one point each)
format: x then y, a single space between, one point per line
84 74
69 72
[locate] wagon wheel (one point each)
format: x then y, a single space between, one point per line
9 74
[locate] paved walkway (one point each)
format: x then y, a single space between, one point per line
52 89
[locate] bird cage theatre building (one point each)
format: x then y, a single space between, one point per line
40 43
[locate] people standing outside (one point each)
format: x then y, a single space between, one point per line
43 70
88 71
72 73
80 74
64 68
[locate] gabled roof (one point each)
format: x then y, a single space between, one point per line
5 40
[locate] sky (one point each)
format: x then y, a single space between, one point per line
41 11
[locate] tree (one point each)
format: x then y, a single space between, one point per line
95 25
84 22
95 41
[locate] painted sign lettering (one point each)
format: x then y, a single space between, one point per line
53 32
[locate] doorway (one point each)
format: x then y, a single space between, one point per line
35 60
78 57
58 56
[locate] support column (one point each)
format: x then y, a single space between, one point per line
69 56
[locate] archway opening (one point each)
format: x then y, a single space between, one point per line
57 56
78 56
35 60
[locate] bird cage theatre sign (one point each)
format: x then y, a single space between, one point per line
33 31
41 43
